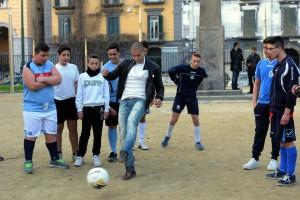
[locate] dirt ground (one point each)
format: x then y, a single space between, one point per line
178 172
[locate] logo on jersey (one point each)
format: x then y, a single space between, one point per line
178 107
271 74
192 75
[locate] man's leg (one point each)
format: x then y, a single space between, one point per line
73 135
171 125
135 115
142 132
60 128
261 114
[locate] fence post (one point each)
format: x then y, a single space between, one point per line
11 65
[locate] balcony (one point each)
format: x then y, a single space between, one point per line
147 2
112 3
64 4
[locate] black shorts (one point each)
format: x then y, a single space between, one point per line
283 133
190 102
113 120
66 110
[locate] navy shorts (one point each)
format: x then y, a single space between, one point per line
66 110
113 120
190 102
283 133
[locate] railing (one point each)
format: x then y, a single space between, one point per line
112 3
62 4
153 1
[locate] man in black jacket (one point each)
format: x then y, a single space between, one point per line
236 56
251 63
140 84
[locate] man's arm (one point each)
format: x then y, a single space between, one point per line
113 74
256 87
54 79
159 87
173 73
30 81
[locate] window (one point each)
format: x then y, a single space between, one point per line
64 28
3 3
289 22
155 27
113 25
249 23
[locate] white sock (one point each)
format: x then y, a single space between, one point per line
142 133
170 131
197 134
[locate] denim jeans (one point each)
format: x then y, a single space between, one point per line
130 114
235 77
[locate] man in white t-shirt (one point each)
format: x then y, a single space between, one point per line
140 84
64 96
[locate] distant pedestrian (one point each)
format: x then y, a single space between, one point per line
251 63
236 56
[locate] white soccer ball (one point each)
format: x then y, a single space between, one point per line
97 177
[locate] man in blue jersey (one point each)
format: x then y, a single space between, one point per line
187 78
282 102
113 52
261 105
39 111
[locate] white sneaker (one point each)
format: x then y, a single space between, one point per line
251 164
143 146
78 162
272 166
97 161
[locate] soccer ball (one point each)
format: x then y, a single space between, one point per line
97 177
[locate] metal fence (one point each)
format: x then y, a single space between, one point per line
165 61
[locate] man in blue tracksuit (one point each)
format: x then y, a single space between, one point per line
187 78
285 75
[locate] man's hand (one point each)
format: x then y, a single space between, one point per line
112 112
105 115
157 103
80 115
105 72
296 90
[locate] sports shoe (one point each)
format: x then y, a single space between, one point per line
287 180
199 146
97 161
272 166
28 167
277 174
129 174
59 163
113 157
164 143
143 147
78 162
251 164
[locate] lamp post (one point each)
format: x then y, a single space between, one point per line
22 35
129 10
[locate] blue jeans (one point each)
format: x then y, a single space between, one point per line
235 77
130 114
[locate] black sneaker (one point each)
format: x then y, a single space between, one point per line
287 180
113 157
164 143
129 174
276 175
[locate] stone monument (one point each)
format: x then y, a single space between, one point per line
210 38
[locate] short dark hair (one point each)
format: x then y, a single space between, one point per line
235 43
113 46
253 48
93 56
277 41
63 47
145 44
41 47
196 54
